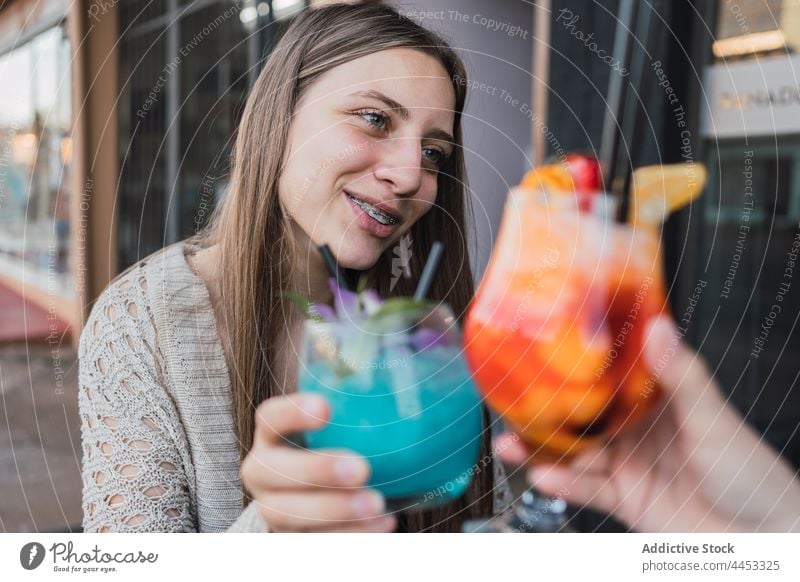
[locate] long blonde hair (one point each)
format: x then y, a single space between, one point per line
253 230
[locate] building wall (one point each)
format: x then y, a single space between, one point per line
748 225
722 283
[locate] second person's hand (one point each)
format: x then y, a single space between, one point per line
694 465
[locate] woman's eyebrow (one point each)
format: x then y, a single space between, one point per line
373 94
401 111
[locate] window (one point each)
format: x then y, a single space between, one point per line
749 28
184 78
35 155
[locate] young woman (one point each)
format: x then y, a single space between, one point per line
351 137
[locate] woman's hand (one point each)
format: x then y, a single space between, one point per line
693 466
303 490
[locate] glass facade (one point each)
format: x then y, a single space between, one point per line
185 69
35 156
746 268
748 327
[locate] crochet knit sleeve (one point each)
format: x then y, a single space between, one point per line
137 470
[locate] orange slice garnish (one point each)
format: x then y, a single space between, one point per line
658 191
553 177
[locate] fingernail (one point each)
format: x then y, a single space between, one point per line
313 406
503 442
368 504
510 450
349 471
659 335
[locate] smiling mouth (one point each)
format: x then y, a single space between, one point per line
373 212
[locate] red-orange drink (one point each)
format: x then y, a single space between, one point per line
556 330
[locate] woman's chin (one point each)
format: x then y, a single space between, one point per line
359 265
359 259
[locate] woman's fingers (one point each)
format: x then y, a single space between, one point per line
282 415
276 467
290 511
302 490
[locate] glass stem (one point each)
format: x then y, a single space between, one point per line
532 513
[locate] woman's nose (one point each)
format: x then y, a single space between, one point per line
401 164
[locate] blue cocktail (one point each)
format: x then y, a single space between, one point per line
402 396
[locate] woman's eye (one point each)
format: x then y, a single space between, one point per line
376 119
436 156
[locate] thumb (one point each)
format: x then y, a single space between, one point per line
679 370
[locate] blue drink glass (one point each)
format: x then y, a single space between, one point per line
402 396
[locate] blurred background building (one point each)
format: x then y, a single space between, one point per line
733 67
116 124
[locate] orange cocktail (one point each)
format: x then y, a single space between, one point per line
556 331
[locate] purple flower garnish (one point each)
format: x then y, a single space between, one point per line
345 302
322 311
425 338
371 301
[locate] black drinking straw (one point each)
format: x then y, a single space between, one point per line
428 271
333 268
649 24
609 144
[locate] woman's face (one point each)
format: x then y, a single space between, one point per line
366 142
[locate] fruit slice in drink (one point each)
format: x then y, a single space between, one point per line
555 334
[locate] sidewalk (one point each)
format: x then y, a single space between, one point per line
21 319
40 451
